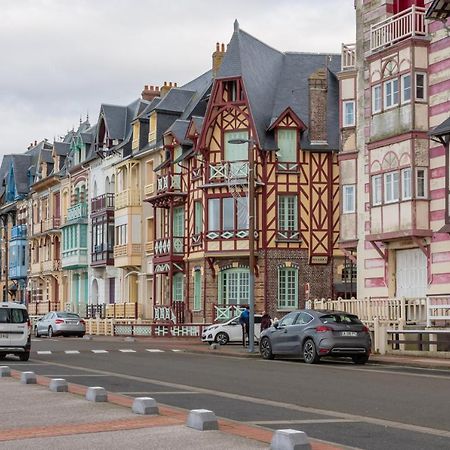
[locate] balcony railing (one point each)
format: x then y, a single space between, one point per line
19 232
228 169
51 266
288 235
77 212
169 246
149 189
408 23
74 258
348 56
102 202
127 198
168 183
51 224
36 267
149 247
127 250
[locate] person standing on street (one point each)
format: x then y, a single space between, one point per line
244 320
266 321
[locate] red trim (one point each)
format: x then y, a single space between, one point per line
288 112
390 51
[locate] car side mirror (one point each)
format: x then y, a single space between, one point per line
276 324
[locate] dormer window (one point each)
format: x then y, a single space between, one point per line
287 145
231 89
152 128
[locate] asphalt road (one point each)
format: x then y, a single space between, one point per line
368 407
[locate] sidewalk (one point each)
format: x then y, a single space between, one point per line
32 417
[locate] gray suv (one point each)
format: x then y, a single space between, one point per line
311 334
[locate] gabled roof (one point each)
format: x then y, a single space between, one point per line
178 129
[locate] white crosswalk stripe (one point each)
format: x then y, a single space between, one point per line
44 352
154 350
176 350
99 351
71 352
127 350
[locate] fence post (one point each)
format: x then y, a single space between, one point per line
428 312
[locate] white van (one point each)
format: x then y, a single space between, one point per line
15 331
230 331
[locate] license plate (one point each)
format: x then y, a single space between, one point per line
71 321
4 336
349 333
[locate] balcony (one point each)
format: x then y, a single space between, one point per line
406 24
74 258
127 255
168 183
149 189
102 255
19 232
127 198
224 171
348 56
78 212
51 266
16 272
51 224
102 203
169 246
36 268
149 248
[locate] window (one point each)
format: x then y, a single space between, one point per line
421 183
421 86
406 184
150 232
225 213
376 190
391 93
214 214
287 144
177 151
349 113
121 234
287 288
235 152
228 213
406 88
178 221
287 212
198 217
177 286
242 213
288 319
348 198
391 187
197 290
234 287
376 99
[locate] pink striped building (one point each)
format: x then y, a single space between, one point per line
395 87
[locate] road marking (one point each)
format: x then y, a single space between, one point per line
127 350
266 402
176 350
99 351
154 350
157 392
281 422
44 352
90 375
71 352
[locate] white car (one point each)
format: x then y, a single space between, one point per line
230 331
15 331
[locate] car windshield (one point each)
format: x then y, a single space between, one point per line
65 315
340 318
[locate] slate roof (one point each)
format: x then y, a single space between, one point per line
443 129
61 148
179 129
274 80
175 100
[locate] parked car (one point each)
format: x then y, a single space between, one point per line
15 331
60 323
230 331
312 334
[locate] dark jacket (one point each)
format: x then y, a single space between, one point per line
266 321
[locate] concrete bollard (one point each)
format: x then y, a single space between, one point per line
58 385
145 405
290 440
96 394
28 378
5 371
202 420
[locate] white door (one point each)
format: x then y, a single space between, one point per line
411 273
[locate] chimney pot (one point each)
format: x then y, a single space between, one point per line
146 87
35 142
223 47
217 46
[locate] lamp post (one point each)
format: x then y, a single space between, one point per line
251 239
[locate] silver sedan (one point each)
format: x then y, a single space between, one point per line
60 323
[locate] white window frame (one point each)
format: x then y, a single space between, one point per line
393 93
377 190
406 183
348 119
348 191
377 99
391 179
424 86
409 89
425 183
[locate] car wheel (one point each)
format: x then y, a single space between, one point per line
50 332
310 355
265 348
36 332
81 335
24 356
360 359
222 338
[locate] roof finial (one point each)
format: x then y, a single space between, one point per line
81 119
236 26
87 116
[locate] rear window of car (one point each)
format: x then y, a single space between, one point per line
68 315
13 315
340 318
4 315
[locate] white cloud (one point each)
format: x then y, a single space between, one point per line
61 58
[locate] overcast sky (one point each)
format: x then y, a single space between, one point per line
62 58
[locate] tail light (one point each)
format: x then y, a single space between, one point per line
82 322
59 321
29 323
323 329
365 329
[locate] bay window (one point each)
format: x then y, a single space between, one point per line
391 187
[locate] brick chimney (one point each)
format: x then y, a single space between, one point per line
166 88
217 58
318 106
150 92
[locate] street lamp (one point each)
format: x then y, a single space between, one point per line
251 238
